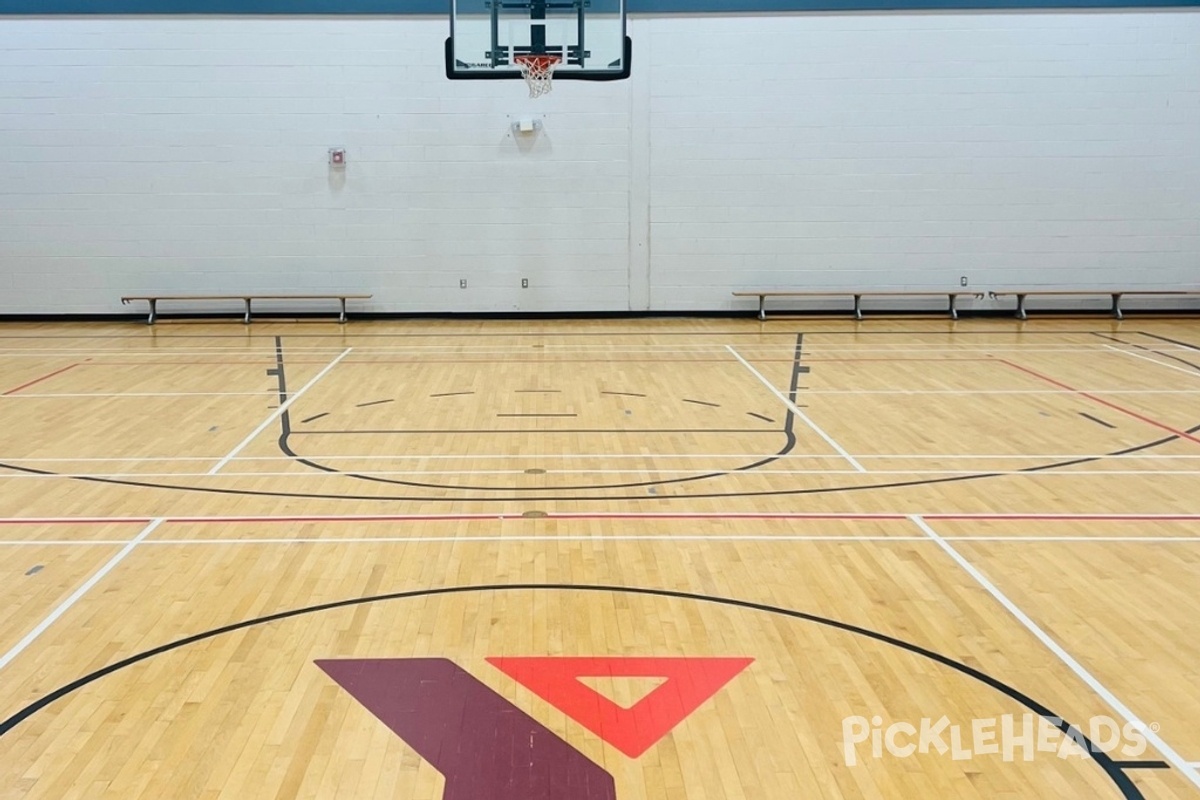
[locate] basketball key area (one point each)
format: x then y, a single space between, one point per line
599 559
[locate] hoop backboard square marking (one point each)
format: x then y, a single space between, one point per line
588 36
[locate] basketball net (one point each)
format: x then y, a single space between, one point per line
538 71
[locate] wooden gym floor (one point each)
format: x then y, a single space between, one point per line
598 559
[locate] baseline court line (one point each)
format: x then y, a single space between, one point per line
1130 353
1022 473
284 406
598 456
796 410
600 537
78 593
1093 683
964 392
584 515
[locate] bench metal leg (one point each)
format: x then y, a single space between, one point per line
246 320
153 312
762 306
953 310
1021 307
342 316
1116 305
858 306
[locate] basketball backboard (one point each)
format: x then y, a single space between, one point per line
587 36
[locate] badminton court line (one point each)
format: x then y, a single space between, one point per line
1019 473
602 537
549 458
284 406
1191 372
796 410
1176 760
78 593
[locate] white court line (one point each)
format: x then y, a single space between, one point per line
617 537
1185 768
807 392
1031 517
551 457
796 410
284 406
78 593
1023 473
1191 372
817 350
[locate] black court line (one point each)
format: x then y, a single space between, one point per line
1145 349
702 403
1141 765
789 445
625 394
451 394
1097 420
315 417
538 391
1111 768
375 403
760 416
490 497
1172 341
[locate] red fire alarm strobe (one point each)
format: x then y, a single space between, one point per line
337 157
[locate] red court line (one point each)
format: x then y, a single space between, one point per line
1102 401
39 380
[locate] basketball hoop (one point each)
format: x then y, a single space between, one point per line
537 69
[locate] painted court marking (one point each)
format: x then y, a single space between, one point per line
1191 372
1127 412
796 410
284 406
647 515
1022 473
1176 760
604 456
65 606
601 537
13 391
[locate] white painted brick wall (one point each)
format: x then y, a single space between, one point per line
189 155
891 150
906 150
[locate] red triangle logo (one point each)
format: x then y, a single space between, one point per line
689 683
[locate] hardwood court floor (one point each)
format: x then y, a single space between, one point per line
590 560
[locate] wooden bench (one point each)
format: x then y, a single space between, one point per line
1115 294
858 295
245 298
